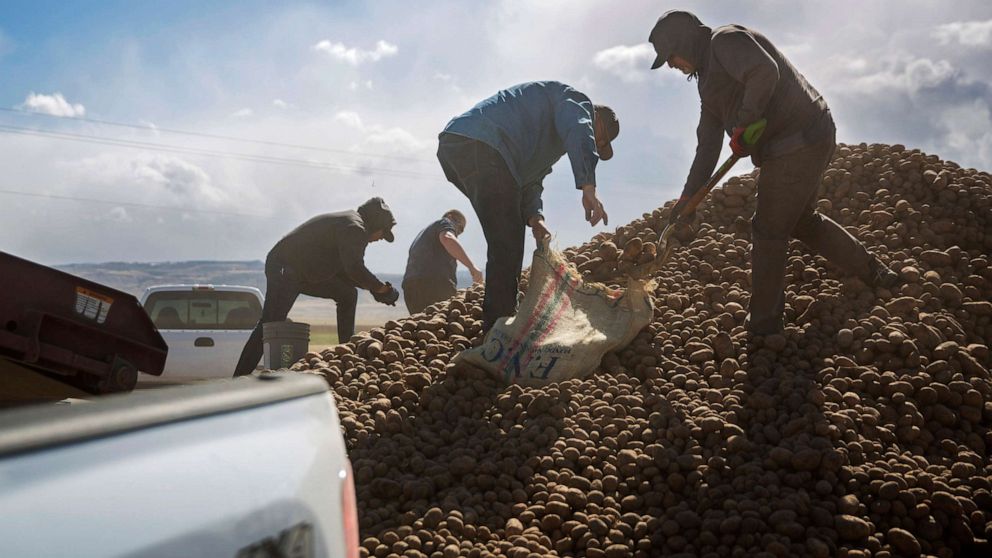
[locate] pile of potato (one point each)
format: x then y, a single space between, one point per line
862 430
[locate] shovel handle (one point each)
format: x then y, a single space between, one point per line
751 135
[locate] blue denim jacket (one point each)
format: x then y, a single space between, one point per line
532 125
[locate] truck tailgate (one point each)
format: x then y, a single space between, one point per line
208 470
201 353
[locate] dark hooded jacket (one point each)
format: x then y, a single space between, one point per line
334 244
742 78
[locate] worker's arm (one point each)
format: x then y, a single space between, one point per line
573 122
531 204
750 64
709 142
352 242
455 249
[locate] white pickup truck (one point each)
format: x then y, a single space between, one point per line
254 467
205 327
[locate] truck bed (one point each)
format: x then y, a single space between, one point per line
221 469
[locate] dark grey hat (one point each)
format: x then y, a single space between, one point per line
377 215
612 129
677 32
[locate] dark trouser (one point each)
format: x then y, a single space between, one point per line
281 289
787 193
421 292
480 172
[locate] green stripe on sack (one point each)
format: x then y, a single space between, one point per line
528 337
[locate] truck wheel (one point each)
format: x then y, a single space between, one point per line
123 377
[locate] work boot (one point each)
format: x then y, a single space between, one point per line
882 276
769 327
768 257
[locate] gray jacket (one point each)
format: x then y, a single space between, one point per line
333 244
742 78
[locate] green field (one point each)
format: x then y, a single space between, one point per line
323 336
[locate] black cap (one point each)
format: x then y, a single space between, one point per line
612 129
377 215
656 41
678 32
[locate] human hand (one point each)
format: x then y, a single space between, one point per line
737 144
678 210
540 230
595 212
387 294
477 278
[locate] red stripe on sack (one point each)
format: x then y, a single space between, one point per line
566 304
540 309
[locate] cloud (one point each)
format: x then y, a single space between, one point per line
967 33
279 103
54 104
380 139
153 128
904 74
118 214
354 55
630 63
969 127
449 81
891 81
349 118
152 178
243 113
795 50
931 104
395 139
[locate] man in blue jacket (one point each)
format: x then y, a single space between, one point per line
498 154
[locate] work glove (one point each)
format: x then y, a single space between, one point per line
737 144
742 138
389 297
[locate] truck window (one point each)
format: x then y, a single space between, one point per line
203 310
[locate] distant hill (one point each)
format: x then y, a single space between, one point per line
135 277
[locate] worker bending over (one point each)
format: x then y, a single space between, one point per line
743 78
498 154
324 257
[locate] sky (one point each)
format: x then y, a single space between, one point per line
343 101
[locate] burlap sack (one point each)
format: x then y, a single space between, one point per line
563 326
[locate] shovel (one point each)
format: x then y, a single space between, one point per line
751 136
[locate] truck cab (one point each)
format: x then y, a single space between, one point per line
205 327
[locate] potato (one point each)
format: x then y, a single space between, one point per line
861 430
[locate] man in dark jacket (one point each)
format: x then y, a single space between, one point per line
498 154
433 261
324 257
742 79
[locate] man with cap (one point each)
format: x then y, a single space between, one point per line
498 154
323 257
433 261
743 78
